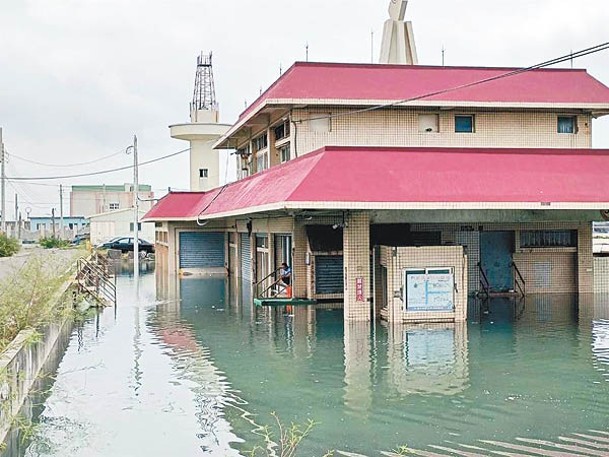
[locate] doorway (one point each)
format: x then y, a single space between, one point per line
496 251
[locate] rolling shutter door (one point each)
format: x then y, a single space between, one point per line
201 249
329 274
246 257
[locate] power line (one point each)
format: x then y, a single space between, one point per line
66 165
96 173
565 58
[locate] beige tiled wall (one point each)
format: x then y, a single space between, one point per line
356 251
601 275
585 260
398 259
400 127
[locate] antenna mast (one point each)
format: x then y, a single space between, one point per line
204 97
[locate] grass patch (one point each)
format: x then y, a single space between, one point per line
27 298
53 242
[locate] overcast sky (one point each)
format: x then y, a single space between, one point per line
79 77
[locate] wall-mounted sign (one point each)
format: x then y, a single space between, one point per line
429 289
359 289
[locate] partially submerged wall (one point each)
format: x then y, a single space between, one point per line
396 261
22 363
601 275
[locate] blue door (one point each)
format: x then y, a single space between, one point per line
496 250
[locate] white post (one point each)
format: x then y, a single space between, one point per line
136 216
61 232
136 203
3 184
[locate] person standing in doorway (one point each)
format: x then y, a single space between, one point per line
285 273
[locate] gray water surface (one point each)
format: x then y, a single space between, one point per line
192 369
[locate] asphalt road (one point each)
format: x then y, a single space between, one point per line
57 257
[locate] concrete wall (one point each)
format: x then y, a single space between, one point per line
20 366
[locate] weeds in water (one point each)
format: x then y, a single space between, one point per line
402 450
286 443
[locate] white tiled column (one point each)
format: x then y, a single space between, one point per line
356 252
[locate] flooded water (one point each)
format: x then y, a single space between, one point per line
192 369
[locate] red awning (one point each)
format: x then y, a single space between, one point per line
408 178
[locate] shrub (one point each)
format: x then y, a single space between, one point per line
53 242
27 297
8 245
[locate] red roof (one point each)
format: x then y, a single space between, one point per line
408 178
338 81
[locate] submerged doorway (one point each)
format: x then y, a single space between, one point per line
496 251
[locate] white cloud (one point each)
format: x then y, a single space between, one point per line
79 77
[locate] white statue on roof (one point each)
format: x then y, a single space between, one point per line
398 38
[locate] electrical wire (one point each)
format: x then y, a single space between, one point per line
79 164
96 173
565 58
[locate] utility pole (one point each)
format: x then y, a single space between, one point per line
136 215
2 184
16 213
53 221
61 211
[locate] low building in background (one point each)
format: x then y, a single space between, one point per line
90 200
111 224
42 227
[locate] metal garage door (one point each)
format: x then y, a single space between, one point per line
201 249
329 274
246 257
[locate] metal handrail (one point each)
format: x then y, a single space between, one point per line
263 280
91 275
523 286
262 294
484 282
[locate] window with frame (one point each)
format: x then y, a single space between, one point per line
261 162
567 124
114 206
139 226
260 142
203 173
282 131
548 239
429 123
262 241
464 124
285 153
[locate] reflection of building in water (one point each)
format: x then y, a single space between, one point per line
211 391
600 345
358 357
430 359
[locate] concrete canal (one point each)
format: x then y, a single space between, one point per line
192 369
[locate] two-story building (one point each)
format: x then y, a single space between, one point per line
401 190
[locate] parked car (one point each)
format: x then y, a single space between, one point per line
125 244
80 239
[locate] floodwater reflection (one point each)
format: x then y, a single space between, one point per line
193 368
430 359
